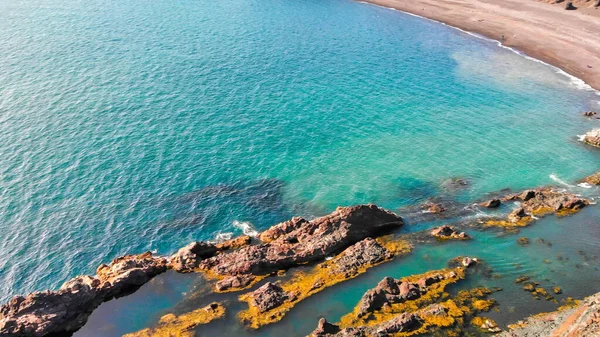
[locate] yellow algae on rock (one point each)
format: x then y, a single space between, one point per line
271 302
183 325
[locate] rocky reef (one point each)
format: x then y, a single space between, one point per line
67 309
415 305
594 179
582 319
299 241
536 203
269 303
446 232
182 325
235 263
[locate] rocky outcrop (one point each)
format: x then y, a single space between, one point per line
401 323
592 137
590 113
493 203
235 282
581 320
594 179
299 241
188 257
272 301
448 232
539 202
67 309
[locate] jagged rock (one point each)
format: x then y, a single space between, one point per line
300 241
269 296
235 243
400 323
517 215
448 232
592 137
187 258
67 309
493 203
325 328
463 261
282 229
433 208
569 6
590 113
234 282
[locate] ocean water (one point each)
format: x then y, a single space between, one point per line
143 125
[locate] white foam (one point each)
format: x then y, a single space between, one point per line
220 237
560 181
575 81
581 137
585 185
246 227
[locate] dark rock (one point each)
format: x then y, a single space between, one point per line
324 328
569 6
67 309
493 203
269 296
517 215
454 184
590 113
188 257
527 195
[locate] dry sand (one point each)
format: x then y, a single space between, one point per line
569 40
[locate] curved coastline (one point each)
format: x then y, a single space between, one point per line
584 76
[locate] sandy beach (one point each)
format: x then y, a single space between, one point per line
569 40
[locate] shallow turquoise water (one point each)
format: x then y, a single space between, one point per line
144 125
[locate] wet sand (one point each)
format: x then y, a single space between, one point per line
569 40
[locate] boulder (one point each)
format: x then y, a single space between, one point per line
269 296
234 282
590 113
569 6
517 215
448 232
493 203
187 258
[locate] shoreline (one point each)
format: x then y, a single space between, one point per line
527 28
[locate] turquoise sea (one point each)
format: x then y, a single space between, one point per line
128 126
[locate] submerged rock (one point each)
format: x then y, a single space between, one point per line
182 325
579 320
590 113
67 309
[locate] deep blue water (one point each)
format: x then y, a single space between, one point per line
128 126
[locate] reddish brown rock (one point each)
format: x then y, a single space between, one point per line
433 208
282 229
517 215
493 203
67 309
235 243
448 232
594 179
299 241
187 258
269 296
401 323
234 282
